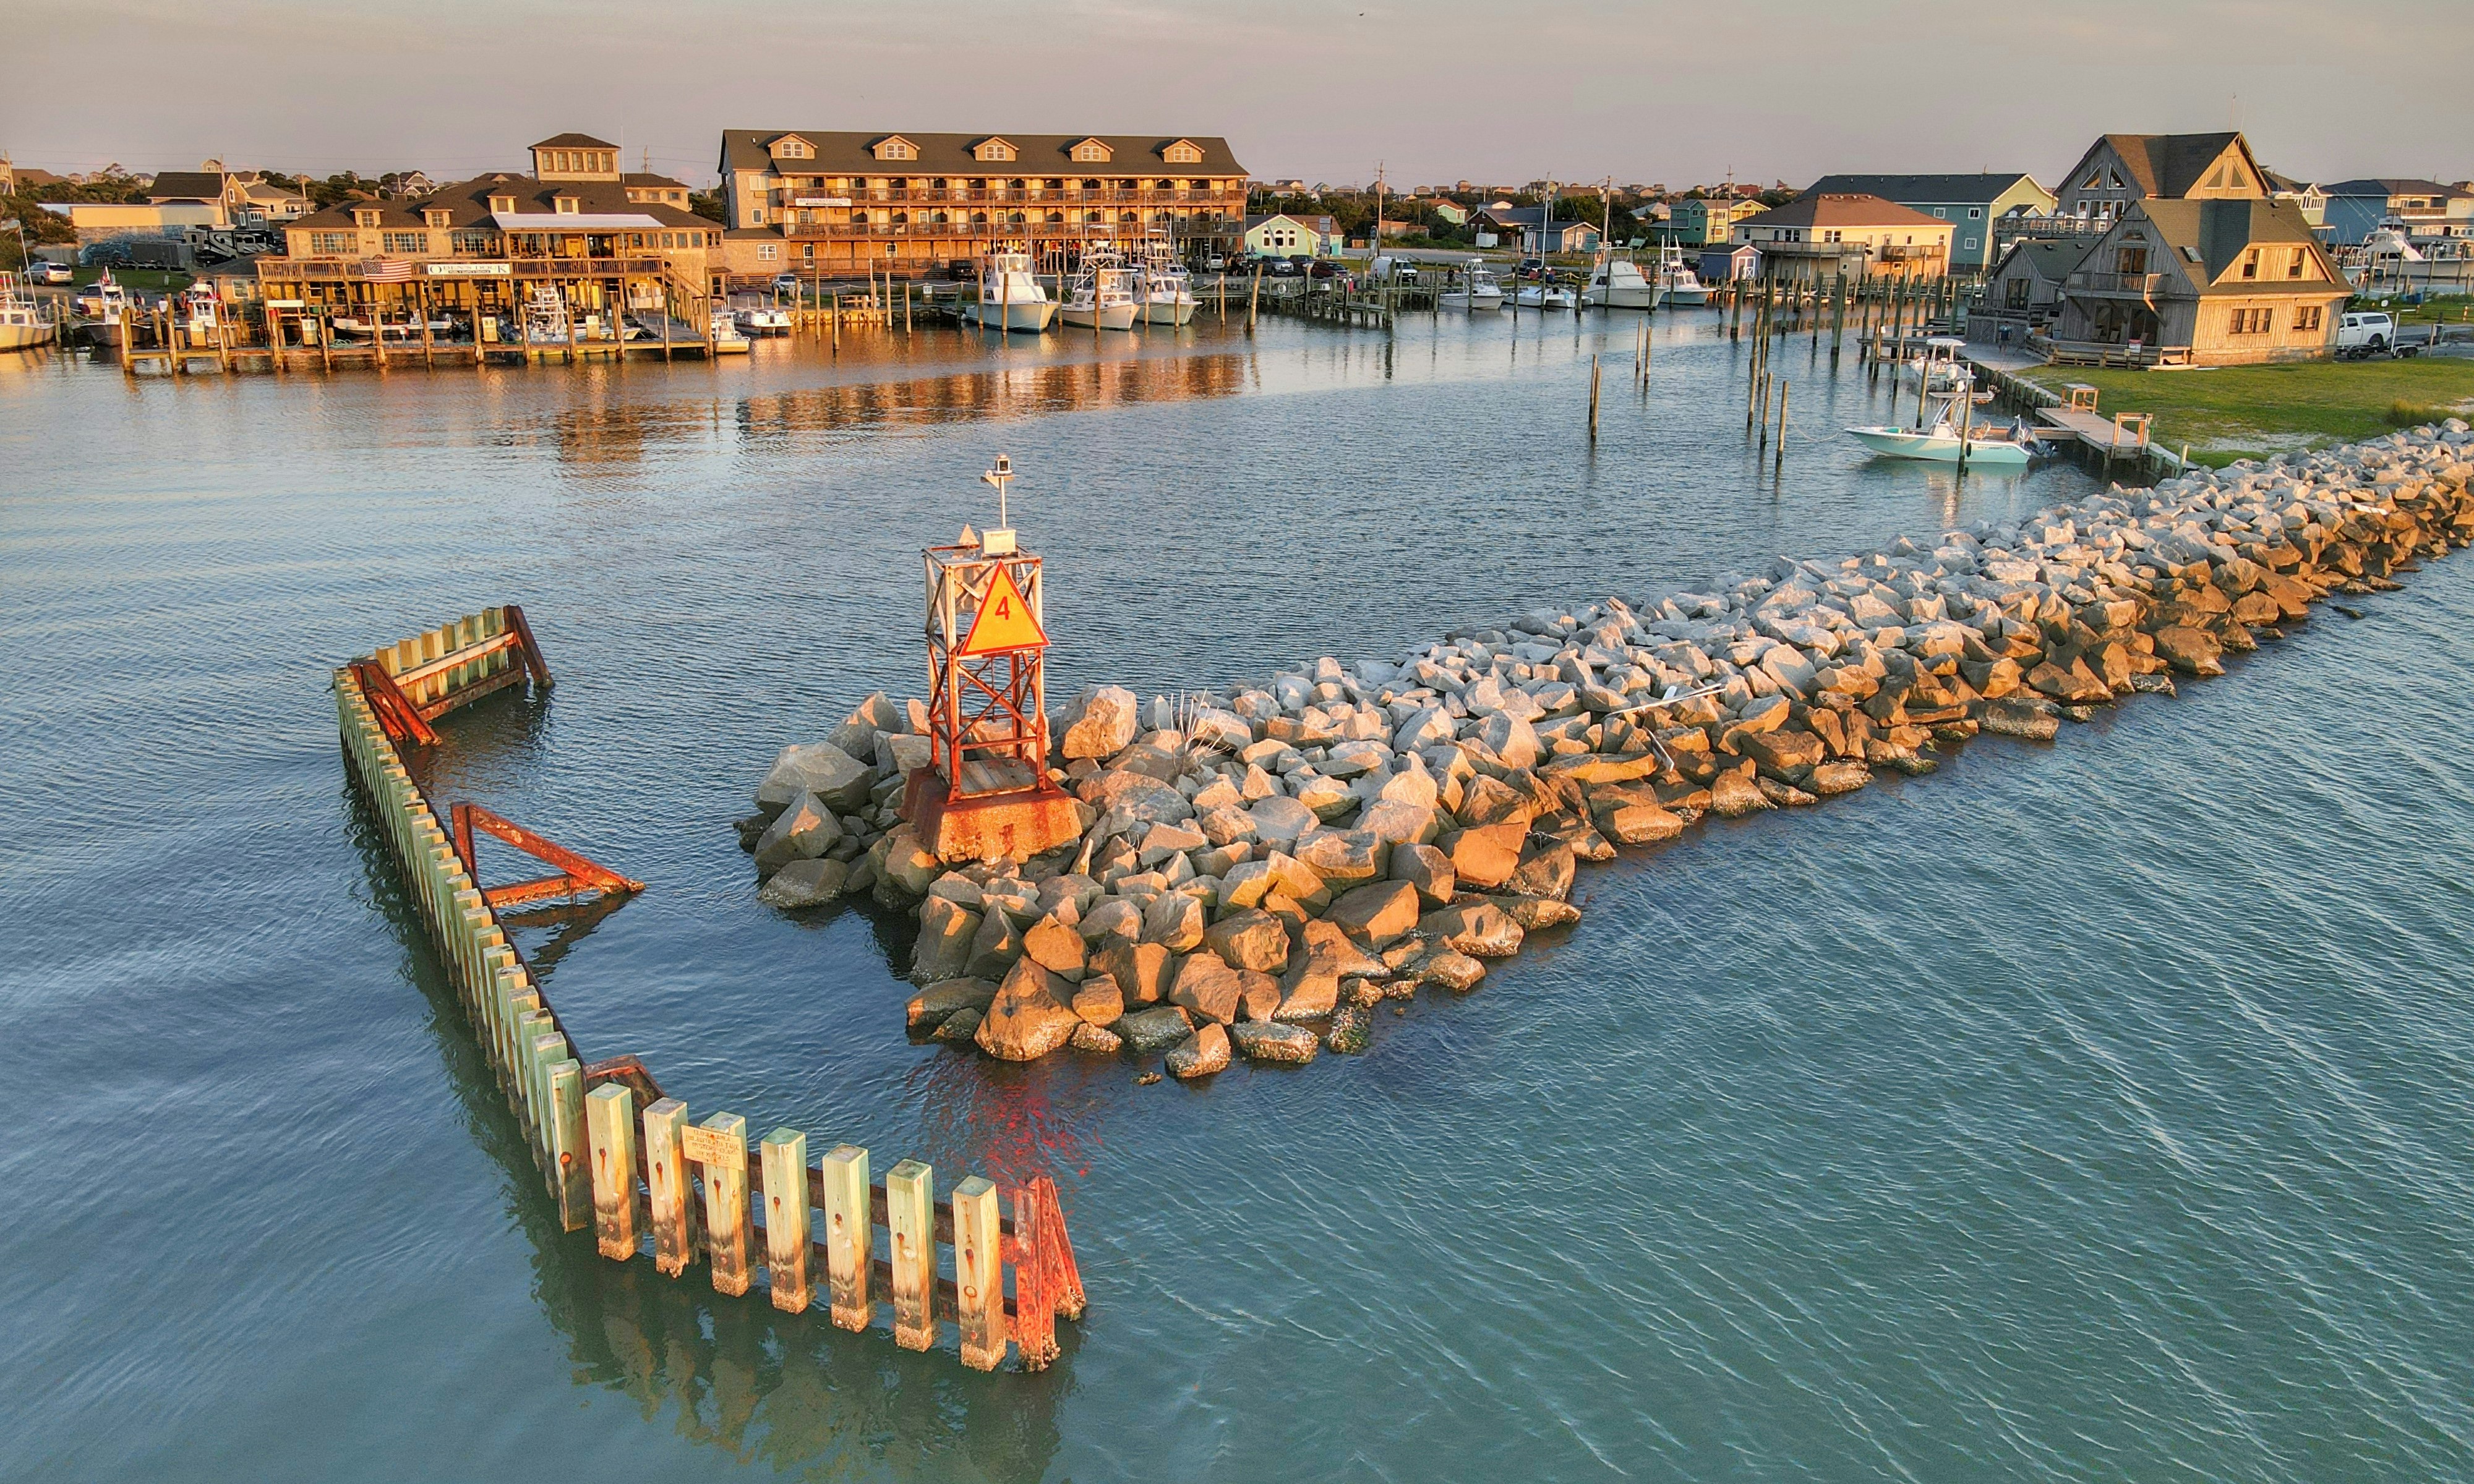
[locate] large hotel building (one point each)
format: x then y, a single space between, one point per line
832 202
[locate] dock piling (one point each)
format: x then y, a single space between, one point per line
666 1177
610 1117
722 1150
850 1245
911 1208
785 1157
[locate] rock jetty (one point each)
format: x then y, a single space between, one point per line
1260 867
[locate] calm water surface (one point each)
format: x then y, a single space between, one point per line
2094 1111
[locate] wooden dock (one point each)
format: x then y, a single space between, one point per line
2071 414
618 1153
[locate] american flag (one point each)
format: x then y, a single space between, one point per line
387 270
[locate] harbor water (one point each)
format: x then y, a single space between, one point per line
2086 1111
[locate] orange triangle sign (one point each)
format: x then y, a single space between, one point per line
1004 621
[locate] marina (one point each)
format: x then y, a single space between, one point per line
1704 1002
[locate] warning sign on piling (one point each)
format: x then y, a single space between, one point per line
1004 621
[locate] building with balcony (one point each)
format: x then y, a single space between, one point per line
1819 236
2422 209
2208 282
1972 203
1700 223
577 224
836 201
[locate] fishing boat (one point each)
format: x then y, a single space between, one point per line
1010 296
23 322
1616 282
726 339
1162 295
1942 442
1477 289
1678 285
1102 295
1938 368
1544 295
757 319
545 320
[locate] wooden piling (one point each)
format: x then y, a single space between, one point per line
1593 398
722 1152
850 1246
670 1196
910 1219
979 1273
610 1120
1255 299
570 1166
1781 422
785 1155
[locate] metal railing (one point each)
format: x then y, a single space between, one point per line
2089 282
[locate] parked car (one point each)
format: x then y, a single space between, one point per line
1533 267
1325 268
1283 268
2364 332
1214 263
52 272
787 284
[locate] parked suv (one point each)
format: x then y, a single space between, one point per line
52 273
2364 332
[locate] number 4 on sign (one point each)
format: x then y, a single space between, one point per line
1004 621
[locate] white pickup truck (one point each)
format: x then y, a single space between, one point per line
2363 333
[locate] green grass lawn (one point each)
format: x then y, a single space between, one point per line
2250 411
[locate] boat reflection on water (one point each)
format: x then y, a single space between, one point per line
1037 390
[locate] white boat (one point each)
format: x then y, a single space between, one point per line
1010 296
1941 442
1616 283
546 320
23 322
726 339
1162 295
1477 289
1938 369
1677 284
1102 295
762 319
1544 295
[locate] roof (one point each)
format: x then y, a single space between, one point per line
1815 209
2051 258
2170 165
2215 232
574 221
1980 189
641 178
849 153
188 185
466 203
574 141
1528 216
2384 187
1321 224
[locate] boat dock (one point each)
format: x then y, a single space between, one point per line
2071 414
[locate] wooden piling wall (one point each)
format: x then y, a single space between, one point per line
618 1157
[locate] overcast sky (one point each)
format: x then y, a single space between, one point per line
1323 90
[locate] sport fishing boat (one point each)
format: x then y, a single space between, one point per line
1547 295
1010 296
1102 295
1942 442
1677 283
1616 283
1162 292
23 324
1477 289
757 318
726 339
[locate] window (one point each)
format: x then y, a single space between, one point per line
1975 212
756 216
2294 268
334 244
566 205
499 203
438 218
2130 262
469 244
1970 244
993 150
1182 152
2250 264
1941 211
404 242
2014 294
793 149
767 252
365 218
2249 321
1091 151
2306 317
896 149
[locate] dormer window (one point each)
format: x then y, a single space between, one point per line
792 146
365 218
566 205
1182 151
1092 151
992 150
438 218
503 205
896 148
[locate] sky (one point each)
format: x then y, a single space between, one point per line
1325 91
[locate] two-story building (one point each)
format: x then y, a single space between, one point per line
1278 234
1972 203
247 197
579 227
836 201
1528 226
1697 222
2422 209
1818 236
2208 282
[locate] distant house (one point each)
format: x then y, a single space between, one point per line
1281 235
245 196
1452 212
1970 203
1523 223
2312 201
1819 236
652 190
2425 208
15 178
2208 282
1697 222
